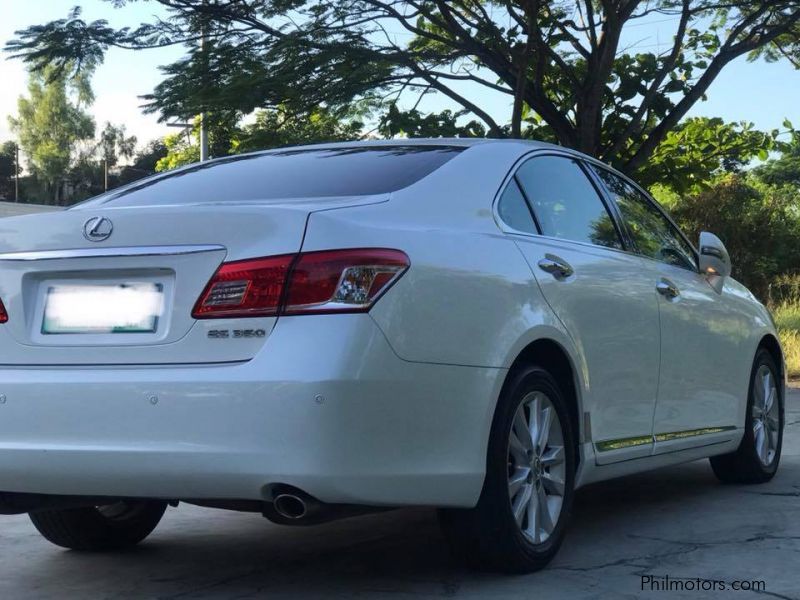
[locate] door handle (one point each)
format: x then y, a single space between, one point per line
557 267
667 289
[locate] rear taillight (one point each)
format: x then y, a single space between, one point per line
245 288
342 280
3 313
307 283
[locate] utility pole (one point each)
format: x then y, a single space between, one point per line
16 172
203 139
203 130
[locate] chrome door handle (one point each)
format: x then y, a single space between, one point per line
557 267
667 289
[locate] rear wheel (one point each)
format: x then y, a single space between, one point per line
100 528
521 516
756 460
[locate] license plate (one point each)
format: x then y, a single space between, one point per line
103 308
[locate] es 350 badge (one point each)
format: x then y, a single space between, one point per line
224 334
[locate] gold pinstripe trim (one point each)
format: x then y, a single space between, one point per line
641 440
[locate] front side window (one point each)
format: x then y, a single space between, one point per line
653 234
565 202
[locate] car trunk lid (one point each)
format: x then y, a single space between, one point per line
72 300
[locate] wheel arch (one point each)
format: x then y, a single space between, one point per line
552 356
771 344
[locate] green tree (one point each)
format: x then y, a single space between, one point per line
784 170
51 123
759 224
269 129
282 127
412 123
114 144
144 162
8 168
181 150
562 65
700 149
148 156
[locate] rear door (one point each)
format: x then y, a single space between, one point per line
703 337
598 291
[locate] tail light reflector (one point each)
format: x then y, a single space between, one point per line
307 283
3 313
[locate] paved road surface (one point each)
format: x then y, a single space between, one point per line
11 209
678 522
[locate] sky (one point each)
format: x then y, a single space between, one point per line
762 93
118 82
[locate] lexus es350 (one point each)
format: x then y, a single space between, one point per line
309 333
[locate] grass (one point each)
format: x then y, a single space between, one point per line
787 317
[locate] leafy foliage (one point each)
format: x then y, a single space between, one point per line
114 143
281 127
51 121
701 148
180 151
784 170
787 318
269 129
143 163
560 64
7 169
412 123
760 225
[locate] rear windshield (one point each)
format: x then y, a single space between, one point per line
358 171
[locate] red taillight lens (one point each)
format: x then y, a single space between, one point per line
246 288
342 280
3 313
312 282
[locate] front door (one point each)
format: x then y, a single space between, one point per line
702 339
702 336
601 295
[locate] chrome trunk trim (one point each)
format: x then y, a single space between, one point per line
109 252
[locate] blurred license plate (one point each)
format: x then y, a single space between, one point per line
103 308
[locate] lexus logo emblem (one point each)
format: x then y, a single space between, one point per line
97 229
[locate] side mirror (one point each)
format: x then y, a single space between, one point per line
714 259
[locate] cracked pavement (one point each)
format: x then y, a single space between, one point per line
677 521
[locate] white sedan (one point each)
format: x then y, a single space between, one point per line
308 333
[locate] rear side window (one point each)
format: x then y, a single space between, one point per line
288 174
513 209
565 202
653 234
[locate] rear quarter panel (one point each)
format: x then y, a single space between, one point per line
469 297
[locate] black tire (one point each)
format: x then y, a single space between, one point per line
744 465
100 529
488 537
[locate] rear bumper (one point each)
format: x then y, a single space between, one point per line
326 406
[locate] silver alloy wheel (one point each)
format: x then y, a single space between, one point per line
536 467
765 415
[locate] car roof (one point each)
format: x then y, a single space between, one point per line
410 142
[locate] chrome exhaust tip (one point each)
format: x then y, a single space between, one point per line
290 506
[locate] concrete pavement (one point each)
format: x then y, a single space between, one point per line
678 522
13 209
